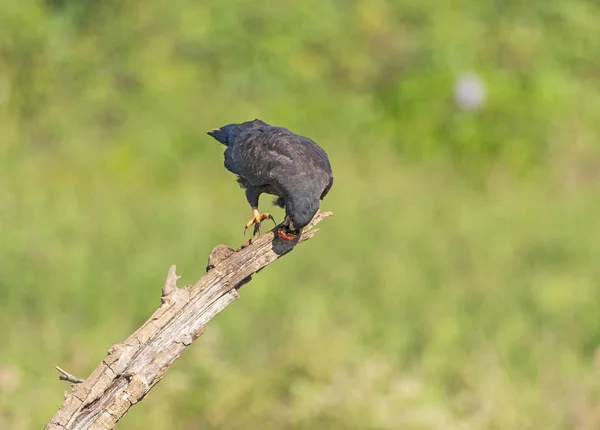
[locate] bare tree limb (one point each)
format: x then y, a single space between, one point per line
66 376
133 367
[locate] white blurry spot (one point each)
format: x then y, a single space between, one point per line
10 379
469 92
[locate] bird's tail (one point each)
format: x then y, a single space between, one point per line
222 134
228 133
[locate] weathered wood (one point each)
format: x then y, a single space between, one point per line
133 367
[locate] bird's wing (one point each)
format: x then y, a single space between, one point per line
327 187
307 157
277 158
256 156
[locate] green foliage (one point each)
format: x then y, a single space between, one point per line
455 287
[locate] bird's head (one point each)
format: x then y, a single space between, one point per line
300 210
301 206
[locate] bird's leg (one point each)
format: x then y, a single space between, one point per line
252 195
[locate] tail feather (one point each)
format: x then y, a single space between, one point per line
279 202
220 135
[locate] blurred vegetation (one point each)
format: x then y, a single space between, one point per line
456 286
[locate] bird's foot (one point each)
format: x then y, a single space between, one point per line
256 219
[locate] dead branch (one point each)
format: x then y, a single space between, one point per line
66 376
133 367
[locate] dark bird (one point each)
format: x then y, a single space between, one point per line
273 160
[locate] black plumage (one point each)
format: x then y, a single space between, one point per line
273 160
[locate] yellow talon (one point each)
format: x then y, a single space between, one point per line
256 219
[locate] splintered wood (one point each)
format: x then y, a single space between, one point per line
133 367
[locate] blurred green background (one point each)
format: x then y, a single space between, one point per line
457 285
